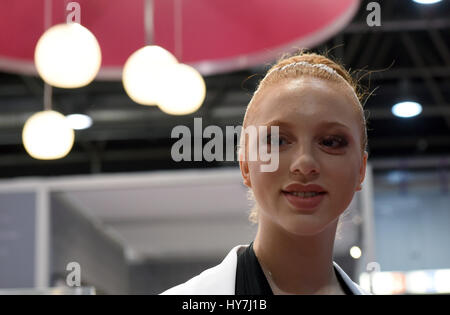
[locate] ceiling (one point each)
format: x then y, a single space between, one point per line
239 34
411 49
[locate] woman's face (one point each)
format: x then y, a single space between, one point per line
313 149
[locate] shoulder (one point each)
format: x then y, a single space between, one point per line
218 280
355 288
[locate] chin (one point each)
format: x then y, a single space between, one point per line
304 225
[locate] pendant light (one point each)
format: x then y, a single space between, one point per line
47 135
407 104
67 55
153 76
143 69
183 88
142 72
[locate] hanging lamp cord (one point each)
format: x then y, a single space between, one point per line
148 21
47 24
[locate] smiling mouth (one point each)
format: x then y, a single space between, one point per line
309 194
304 202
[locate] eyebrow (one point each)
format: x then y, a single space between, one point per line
278 123
323 123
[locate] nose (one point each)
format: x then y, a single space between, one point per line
304 162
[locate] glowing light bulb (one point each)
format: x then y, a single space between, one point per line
406 109
355 252
142 72
79 121
68 56
427 1
183 90
47 136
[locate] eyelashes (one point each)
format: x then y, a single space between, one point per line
341 142
271 140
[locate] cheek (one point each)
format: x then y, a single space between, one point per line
264 184
342 176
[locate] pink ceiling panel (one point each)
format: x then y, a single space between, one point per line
212 35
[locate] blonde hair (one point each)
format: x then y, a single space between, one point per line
304 64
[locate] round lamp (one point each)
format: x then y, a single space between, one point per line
47 136
406 109
183 90
142 72
67 56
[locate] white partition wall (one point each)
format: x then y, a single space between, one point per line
19 240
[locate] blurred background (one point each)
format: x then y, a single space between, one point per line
114 200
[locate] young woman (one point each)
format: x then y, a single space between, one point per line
322 161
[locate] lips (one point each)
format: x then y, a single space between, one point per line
304 198
304 188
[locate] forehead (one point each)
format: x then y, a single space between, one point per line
306 99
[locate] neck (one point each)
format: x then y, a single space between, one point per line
297 264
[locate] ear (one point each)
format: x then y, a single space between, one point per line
243 164
362 170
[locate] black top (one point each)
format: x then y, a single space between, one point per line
250 278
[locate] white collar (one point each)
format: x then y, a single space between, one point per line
221 279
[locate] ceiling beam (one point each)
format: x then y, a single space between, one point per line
400 26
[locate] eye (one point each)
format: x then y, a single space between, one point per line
281 140
335 142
